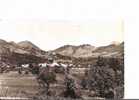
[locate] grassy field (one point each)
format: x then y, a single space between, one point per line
14 85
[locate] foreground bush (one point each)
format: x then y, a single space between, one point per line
106 78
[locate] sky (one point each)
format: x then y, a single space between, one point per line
53 23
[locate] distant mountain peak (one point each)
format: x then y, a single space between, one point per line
27 44
71 50
2 41
115 43
87 50
20 50
85 45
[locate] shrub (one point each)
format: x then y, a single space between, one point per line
70 88
105 76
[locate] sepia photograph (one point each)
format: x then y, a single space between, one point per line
61 50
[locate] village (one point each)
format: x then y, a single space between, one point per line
69 72
54 78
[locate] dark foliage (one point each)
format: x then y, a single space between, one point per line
104 78
70 88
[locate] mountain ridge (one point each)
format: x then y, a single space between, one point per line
87 50
26 49
23 52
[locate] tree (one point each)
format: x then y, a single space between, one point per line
84 83
70 88
100 61
47 78
100 80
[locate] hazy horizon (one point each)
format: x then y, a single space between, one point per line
50 35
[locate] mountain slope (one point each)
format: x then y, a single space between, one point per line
31 48
26 51
23 51
111 50
87 50
27 45
24 47
75 51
